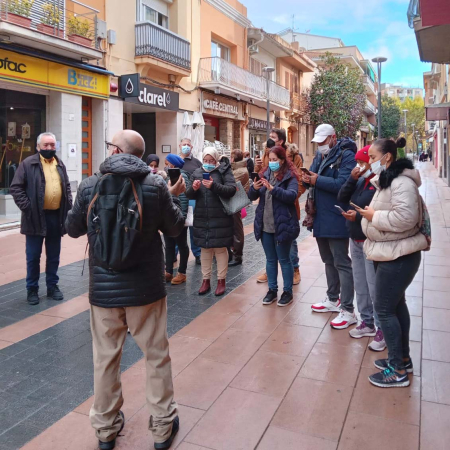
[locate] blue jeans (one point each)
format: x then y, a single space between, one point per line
278 252
33 250
194 249
294 254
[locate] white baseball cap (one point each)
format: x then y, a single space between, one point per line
322 132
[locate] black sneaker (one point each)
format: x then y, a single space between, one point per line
33 297
383 364
286 299
389 378
270 297
236 261
111 444
198 261
54 293
167 443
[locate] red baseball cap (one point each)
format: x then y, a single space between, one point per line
363 154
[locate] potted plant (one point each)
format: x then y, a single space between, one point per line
78 31
18 12
50 20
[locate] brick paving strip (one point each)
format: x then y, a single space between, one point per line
248 376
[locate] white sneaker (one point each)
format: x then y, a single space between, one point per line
343 320
378 344
326 306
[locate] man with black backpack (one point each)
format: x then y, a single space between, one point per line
122 209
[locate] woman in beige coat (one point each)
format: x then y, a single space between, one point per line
394 242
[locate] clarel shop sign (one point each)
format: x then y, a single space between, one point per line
156 97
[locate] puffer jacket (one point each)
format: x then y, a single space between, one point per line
144 283
284 196
212 227
394 230
184 201
240 173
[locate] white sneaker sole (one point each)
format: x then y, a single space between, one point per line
363 335
285 304
405 383
377 349
325 310
267 304
343 326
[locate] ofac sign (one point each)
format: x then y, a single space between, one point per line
129 85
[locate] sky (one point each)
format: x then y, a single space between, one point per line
377 27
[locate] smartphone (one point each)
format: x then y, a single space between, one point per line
206 176
339 208
305 170
174 175
255 176
355 206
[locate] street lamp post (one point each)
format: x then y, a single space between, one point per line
379 60
413 130
406 130
268 71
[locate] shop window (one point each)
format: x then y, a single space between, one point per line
220 51
154 16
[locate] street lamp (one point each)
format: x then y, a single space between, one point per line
268 71
379 60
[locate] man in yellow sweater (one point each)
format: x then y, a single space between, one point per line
41 190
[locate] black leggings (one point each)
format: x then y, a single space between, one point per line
183 248
391 281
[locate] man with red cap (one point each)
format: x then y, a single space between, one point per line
359 190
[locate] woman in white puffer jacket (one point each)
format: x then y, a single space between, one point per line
394 242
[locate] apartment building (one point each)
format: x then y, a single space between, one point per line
46 83
315 47
401 92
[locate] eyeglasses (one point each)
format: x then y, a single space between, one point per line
109 145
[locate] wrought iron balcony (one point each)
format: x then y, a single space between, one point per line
158 42
219 73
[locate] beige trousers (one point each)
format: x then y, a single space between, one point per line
148 326
221 259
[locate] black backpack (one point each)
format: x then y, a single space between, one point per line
114 221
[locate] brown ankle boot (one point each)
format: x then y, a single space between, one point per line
220 287
205 288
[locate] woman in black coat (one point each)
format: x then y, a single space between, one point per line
213 229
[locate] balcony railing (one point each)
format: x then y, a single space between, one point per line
368 81
154 40
52 18
370 108
221 71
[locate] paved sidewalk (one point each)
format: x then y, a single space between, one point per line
248 376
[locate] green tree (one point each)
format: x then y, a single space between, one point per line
337 96
391 113
416 116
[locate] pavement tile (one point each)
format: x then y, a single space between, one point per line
415 332
278 439
201 383
333 363
183 350
341 337
415 305
435 382
415 289
376 433
436 345
321 403
436 283
247 416
234 304
235 346
301 314
436 319
436 299
314 295
435 426
268 373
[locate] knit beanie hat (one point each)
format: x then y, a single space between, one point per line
175 160
363 154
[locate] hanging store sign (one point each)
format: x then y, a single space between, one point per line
129 85
221 106
23 69
259 125
155 96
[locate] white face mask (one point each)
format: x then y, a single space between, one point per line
377 167
324 149
367 173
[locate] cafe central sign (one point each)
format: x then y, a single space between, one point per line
219 106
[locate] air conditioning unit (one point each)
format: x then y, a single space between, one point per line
253 49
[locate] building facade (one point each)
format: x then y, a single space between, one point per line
401 92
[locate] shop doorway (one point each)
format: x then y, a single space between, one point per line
211 128
145 125
86 132
22 119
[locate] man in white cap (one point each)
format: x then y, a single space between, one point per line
330 169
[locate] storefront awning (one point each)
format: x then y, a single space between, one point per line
440 111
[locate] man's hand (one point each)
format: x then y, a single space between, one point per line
207 183
178 188
310 179
350 215
356 173
367 212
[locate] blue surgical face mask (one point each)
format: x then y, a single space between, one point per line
209 167
274 166
186 149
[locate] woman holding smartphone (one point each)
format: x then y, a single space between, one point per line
276 221
394 242
213 229
359 191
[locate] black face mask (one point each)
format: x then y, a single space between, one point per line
48 154
270 143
